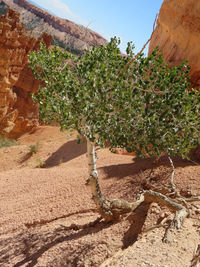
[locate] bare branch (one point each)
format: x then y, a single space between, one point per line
154 227
196 258
172 176
76 227
144 46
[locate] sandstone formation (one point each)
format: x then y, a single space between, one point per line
178 34
18 113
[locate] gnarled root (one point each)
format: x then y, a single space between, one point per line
180 211
196 258
112 210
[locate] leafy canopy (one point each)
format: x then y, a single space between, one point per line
148 108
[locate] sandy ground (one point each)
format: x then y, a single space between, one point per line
44 193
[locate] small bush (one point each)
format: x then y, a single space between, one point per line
40 163
6 142
33 149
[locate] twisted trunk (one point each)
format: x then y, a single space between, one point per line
91 158
93 174
110 209
113 209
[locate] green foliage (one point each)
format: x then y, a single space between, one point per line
6 142
148 108
3 8
40 163
79 139
33 149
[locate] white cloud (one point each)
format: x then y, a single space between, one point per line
60 9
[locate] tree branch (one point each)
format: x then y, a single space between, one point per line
144 46
196 258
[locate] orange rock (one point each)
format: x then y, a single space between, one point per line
178 34
18 113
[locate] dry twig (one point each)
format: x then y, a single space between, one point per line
196 258
136 57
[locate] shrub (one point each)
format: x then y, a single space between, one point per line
6 142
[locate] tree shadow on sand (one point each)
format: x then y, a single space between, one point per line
132 178
31 245
137 221
65 153
27 247
139 165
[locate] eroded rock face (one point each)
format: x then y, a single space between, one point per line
178 34
18 113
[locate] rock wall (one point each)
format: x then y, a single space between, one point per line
178 34
18 113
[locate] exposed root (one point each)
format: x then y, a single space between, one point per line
114 209
180 211
168 196
110 209
195 262
43 221
154 227
78 227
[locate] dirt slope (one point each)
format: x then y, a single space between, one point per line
37 205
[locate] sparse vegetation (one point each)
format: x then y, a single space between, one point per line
33 149
6 142
40 163
60 161
3 8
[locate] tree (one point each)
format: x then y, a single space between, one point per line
145 107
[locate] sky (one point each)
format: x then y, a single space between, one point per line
131 20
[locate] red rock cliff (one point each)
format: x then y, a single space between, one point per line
64 25
18 113
178 34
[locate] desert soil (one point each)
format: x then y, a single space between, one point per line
42 194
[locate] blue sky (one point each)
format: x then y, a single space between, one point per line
131 20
